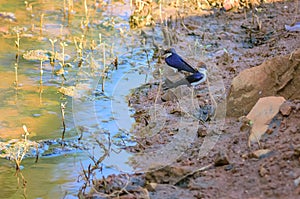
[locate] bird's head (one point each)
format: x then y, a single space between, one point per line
202 67
169 52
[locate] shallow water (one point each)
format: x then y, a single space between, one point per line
103 116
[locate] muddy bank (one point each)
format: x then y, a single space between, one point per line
216 160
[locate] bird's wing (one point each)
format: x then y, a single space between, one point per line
177 62
195 77
189 67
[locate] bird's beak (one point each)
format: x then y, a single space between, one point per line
166 53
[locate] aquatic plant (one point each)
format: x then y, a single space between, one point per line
62 108
17 42
41 24
16 151
68 9
52 57
104 67
78 41
88 175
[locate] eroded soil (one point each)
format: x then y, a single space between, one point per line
231 169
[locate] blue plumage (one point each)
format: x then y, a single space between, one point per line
175 61
196 78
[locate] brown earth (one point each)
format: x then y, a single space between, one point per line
254 60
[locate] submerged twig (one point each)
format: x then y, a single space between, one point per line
62 107
17 42
104 68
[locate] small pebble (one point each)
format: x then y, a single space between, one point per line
221 159
262 153
263 171
297 181
285 109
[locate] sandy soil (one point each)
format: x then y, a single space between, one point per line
231 169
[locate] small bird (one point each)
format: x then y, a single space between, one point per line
175 61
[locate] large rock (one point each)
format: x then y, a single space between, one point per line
279 76
262 114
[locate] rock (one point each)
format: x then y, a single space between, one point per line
202 132
177 93
286 108
263 171
292 129
167 174
229 4
151 186
246 123
205 112
261 153
277 76
169 96
221 159
297 151
223 57
297 181
261 115
298 107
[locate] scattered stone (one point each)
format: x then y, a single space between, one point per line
297 181
221 159
297 151
269 131
261 153
294 28
286 109
168 174
230 4
205 112
298 107
177 93
263 171
292 129
169 96
223 57
151 186
228 167
246 123
201 132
